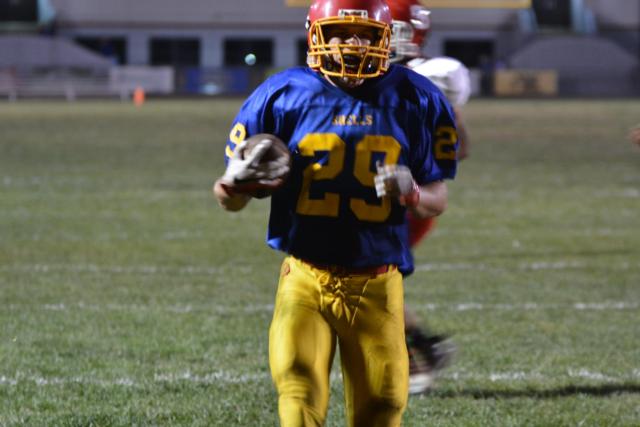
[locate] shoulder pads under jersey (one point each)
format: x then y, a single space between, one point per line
449 74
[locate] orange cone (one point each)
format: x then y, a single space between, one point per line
138 96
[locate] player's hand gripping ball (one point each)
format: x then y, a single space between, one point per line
260 165
397 181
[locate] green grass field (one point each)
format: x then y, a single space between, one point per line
127 297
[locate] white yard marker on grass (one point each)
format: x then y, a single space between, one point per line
227 377
194 270
217 309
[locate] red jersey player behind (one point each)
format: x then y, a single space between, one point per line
429 352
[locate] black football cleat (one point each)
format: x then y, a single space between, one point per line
428 356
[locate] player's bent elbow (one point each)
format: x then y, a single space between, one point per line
439 208
424 211
433 200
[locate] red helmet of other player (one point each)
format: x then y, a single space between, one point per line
349 39
411 26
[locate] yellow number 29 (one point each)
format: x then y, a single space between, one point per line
329 205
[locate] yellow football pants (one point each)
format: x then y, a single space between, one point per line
314 309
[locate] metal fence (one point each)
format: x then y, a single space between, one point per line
121 82
73 83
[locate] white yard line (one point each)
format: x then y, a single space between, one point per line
524 266
532 306
579 373
226 377
177 309
212 270
120 269
268 308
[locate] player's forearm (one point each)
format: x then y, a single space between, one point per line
432 201
229 202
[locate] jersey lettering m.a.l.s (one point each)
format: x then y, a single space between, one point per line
328 212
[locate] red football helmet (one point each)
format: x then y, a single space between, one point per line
349 39
411 26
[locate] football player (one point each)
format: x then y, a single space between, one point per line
429 352
369 141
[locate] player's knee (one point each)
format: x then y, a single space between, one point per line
390 404
291 374
382 411
299 385
297 412
293 385
301 401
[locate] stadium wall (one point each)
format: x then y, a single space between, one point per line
210 43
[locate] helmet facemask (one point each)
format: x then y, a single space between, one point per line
350 48
402 45
407 38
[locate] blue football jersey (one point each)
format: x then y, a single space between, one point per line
328 212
